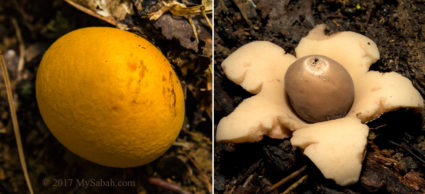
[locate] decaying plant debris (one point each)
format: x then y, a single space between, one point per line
49 163
395 153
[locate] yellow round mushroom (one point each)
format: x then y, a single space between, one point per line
110 96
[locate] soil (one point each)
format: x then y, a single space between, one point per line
395 159
185 167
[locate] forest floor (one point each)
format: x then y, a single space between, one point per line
395 159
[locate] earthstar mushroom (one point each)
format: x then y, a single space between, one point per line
336 146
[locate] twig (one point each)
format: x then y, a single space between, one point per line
183 144
251 170
204 177
406 148
21 49
295 185
108 19
248 180
15 122
286 179
196 135
378 127
166 185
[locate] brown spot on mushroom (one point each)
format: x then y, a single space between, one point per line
136 95
319 88
129 82
142 70
173 94
132 65
138 86
374 89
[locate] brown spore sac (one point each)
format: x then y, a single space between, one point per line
319 88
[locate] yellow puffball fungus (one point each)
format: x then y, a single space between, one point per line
110 96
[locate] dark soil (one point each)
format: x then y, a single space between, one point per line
395 160
185 167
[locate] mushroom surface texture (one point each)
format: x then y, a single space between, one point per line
319 88
335 146
110 96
